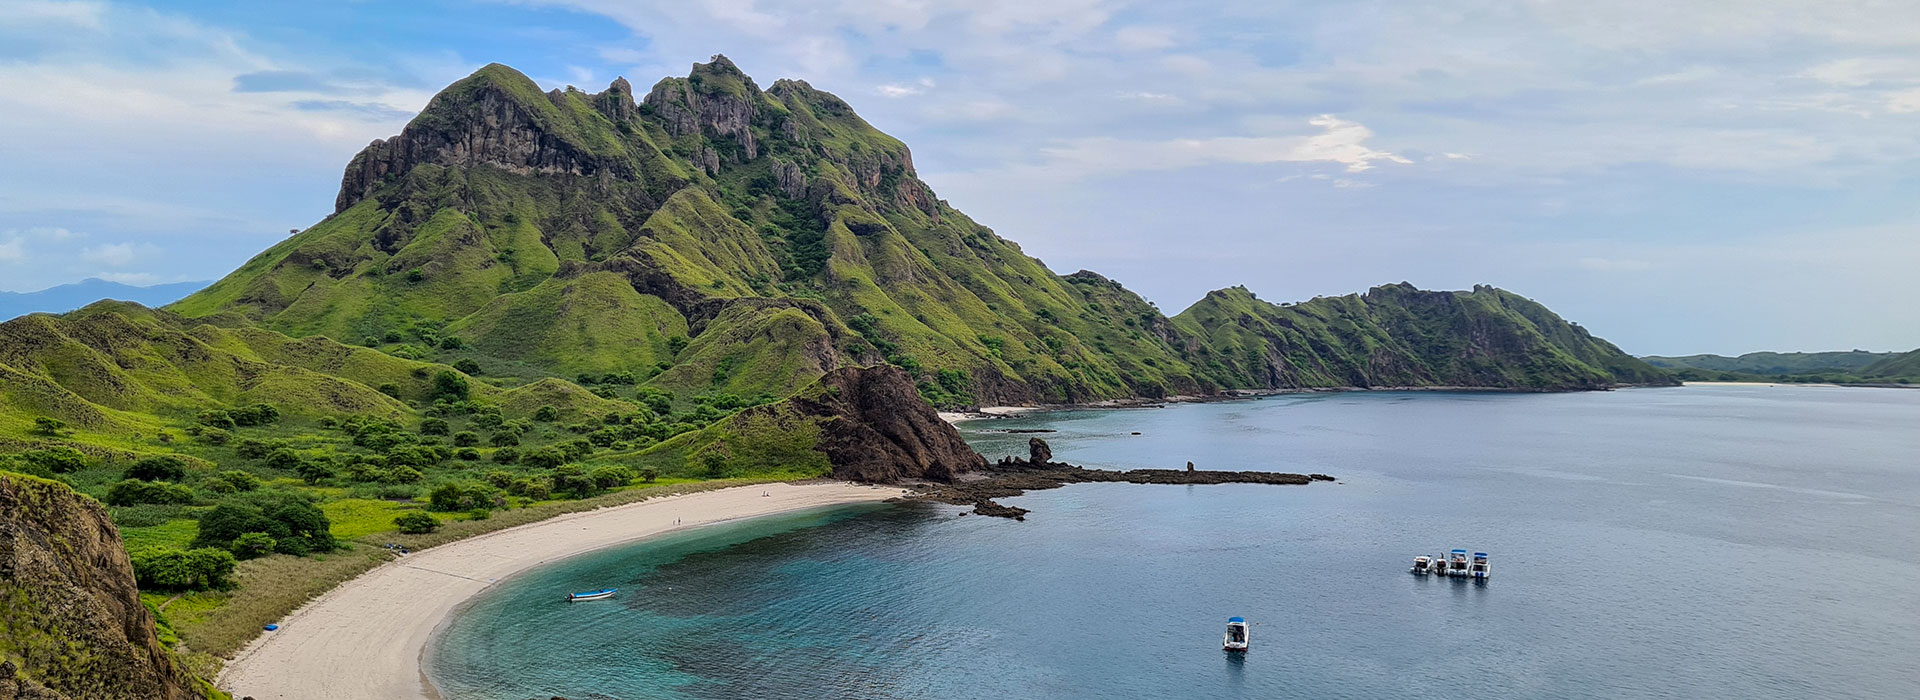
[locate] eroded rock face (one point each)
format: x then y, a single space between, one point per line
880 430
1038 452
74 626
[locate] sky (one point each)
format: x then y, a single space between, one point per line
1676 176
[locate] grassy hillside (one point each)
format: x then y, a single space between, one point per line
1902 366
1773 362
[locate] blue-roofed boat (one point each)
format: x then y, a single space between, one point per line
601 594
1457 563
1480 569
1238 634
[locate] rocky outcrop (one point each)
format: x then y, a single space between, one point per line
1038 451
876 428
71 621
1013 476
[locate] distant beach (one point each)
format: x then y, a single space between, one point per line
363 640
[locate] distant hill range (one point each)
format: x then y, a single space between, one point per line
67 297
1851 366
1773 362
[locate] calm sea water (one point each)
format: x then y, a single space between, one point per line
1694 542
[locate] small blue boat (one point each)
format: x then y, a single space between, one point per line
592 595
1239 634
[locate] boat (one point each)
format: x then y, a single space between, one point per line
1479 569
1422 565
601 594
1238 634
1457 563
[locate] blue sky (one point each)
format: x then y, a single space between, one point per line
1677 176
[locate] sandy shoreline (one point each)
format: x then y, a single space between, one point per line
364 639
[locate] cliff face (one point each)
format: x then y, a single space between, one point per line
71 622
875 427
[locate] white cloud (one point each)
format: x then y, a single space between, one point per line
111 255
1138 38
41 14
1159 98
905 89
1339 142
13 249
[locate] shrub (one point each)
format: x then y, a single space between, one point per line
416 523
135 492
239 480
534 488
284 459
57 459
433 426
249 448
217 418
314 471
488 420
402 475
546 414
450 385
462 496
610 477
468 366
466 438
193 570
256 414
215 436
467 454
506 455
158 468
479 514
453 342
504 438
649 474
49 427
573 481
544 458
252 545
295 523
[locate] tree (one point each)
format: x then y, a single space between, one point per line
58 459
415 276
612 476
433 426
504 438
252 545
453 342
216 417
573 480
239 480
450 385
466 438
297 525
158 468
506 455
676 343
713 462
462 496
133 492
544 458
649 474
193 570
49 427
468 366
546 414
313 471
415 522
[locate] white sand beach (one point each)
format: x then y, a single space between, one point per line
987 412
364 639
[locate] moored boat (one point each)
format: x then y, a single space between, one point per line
1480 570
592 595
1422 565
1457 563
1238 634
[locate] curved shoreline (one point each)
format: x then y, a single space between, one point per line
364 639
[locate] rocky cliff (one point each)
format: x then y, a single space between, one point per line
873 426
71 622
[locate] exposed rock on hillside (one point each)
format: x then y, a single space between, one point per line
877 428
71 621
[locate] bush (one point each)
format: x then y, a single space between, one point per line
252 545
610 477
49 427
56 460
402 475
504 438
284 459
453 342
649 474
573 481
215 436
506 455
463 496
467 454
158 468
544 458
241 481
468 366
295 523
217 418
416 523
193 570
132 492
314 471
450 385
433 426
256 414
466 438
546 414
479 514
534 488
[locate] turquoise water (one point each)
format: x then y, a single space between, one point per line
1690 542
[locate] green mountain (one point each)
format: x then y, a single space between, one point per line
714 237
1773 362
1904 365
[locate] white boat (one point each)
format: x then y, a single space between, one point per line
1457 563
1479 569
1238 634
601 594
1422 565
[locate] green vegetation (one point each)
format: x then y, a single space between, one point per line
1762 363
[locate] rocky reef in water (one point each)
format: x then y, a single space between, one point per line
1013 476
72 626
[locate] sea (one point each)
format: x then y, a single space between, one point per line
1690 542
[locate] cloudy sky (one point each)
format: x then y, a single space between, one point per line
1678 176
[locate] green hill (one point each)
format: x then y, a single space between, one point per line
1773 362
715 237
1904 365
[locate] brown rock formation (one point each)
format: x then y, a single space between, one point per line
878 429
71 621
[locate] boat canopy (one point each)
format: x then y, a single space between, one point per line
1459 551
1236 619
1479 554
